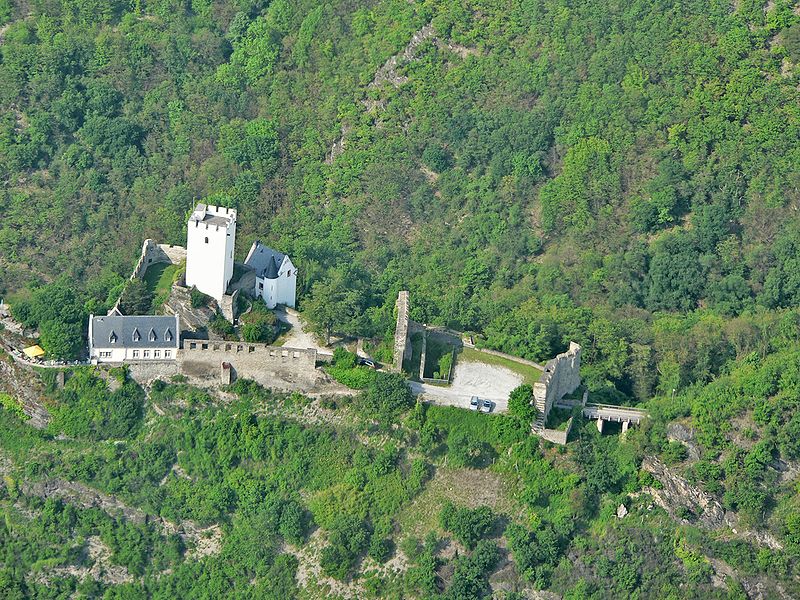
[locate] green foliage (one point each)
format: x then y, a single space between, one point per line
137 298
259 324
197 298
87 409
520 403
61 340
13 406
345 370
386 397
221 326
468 526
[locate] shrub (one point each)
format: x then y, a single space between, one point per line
197 298
467 525
259 325
387 396
221 326
13 406
519 402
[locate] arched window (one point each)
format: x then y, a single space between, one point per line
206 240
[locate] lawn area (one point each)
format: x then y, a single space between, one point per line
438 357
159 277
411 366
528 373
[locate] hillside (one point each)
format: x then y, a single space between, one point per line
618 174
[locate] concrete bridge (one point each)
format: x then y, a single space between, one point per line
615 414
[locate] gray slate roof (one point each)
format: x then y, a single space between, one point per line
265 261
126 328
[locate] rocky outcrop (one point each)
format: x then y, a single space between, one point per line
205 540
180 303
22 383
677 492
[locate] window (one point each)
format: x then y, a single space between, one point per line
135 354
167 353
156 353
105 355
168 335
289 273
260 286
136 335
112 338
206 240
146 354
152 335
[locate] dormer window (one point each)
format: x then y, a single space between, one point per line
112 339
168 335
152 335
136 335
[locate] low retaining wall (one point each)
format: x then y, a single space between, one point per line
557 436
517 359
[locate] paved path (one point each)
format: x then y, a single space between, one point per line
488 382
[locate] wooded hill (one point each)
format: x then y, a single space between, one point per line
618 173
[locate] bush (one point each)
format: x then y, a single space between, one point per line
386 397
260 325
136 299
221 326
197 298
467 525
519 403
345 370
674 453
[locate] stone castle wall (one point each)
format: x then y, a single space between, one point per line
271 366
157 253
561 376
402 333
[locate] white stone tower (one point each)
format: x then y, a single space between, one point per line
210 238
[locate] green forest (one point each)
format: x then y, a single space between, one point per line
619 174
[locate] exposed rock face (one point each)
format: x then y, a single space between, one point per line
22 383
677 492
206 540
180 303
680 433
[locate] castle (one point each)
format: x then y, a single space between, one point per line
210 239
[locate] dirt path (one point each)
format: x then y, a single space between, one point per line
298 337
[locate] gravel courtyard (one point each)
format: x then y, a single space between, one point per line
486 381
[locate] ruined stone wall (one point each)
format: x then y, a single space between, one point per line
402 333
228 304
157 253
561 376
271 366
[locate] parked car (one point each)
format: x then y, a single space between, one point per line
473 403
368 362
486 406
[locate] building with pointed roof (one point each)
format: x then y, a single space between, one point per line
276 276
120 338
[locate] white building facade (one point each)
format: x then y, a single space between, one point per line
210 240
276 276
119 338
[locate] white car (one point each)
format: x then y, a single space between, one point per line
486 406
474 403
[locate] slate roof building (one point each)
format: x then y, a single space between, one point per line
119 338
276 276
